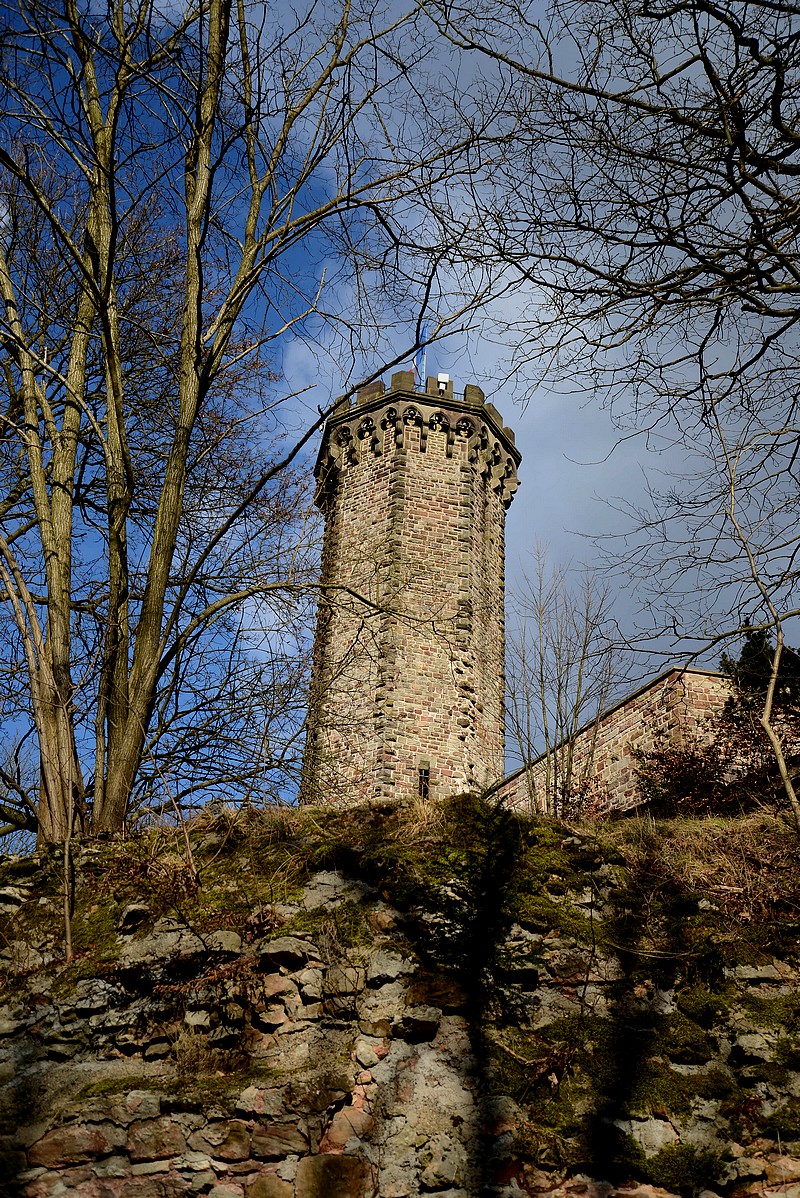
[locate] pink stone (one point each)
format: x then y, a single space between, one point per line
345 1124
72 1144
781 1169
155 1139
276 985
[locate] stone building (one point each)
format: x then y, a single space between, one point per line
671 709
407 695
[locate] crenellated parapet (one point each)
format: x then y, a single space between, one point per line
381 421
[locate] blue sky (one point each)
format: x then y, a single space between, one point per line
575 466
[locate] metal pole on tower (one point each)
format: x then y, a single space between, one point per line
421 358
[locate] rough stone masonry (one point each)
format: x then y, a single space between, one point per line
575 1019
407 695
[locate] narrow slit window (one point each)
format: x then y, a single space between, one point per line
424 783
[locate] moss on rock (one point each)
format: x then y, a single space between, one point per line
684 1169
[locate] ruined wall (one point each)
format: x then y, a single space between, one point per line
484 1008
414 488
665 711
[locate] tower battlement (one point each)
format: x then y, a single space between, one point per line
379 421
407 693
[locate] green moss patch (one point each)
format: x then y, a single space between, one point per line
705 1006
776 1011
123 1085
682 1169
785 1122
346 925
683 1040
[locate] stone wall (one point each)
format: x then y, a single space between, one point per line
601 761
202 1064
484 1008
408 683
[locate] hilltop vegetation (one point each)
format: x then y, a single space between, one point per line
626 991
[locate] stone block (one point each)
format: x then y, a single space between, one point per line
268 1018
344 980
225 942
742 1170
92 996
329 889
278 1140
132 917
286 950
194 1162
11 899
751 1048
366 1054
199 1020
228 1140
346 1125
277 985
310 983
782 1169
11 1027
144 1104
387 967
402 380
155 1139
417 1025
378 1027
74 1144
256 1100
329 1175
147 1187
269 1186
147 1168
754 973
158 1049
651 1134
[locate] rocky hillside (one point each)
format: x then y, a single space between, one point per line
385 1003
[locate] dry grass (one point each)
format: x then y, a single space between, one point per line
745 865
195 1058
422 819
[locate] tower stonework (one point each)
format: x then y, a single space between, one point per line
407 694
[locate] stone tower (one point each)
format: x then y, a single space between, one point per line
407 695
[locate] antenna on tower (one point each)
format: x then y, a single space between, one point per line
420 365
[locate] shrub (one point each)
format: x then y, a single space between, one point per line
728 769
676 778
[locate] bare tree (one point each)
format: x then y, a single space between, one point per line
645 197
564 663
183 187
720 547
646 187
